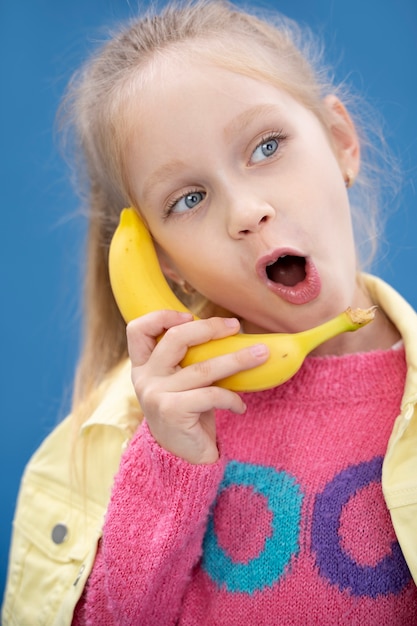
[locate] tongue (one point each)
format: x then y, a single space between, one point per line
287 270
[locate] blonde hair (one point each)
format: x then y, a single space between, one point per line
96 108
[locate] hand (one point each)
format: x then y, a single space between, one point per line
179 403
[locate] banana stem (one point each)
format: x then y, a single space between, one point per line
349 320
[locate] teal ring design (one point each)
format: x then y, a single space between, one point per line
284 498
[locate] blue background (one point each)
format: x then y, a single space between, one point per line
41 43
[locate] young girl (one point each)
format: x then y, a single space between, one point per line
176 501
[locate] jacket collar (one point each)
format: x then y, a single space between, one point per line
404 317
118 407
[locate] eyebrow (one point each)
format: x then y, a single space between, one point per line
247 117
160 175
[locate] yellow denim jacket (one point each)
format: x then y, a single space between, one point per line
63 498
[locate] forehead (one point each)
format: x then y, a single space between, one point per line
182 87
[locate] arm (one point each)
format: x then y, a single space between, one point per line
169 475
152 536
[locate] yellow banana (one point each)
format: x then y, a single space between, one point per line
139 287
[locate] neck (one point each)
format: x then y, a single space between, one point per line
380 335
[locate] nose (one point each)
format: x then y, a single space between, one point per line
248 216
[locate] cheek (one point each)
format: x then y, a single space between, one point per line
203 271
188 260
334 198
201 274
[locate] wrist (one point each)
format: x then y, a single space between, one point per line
186 448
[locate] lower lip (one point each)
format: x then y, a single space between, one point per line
303 292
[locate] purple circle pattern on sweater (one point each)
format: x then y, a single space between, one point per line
389 575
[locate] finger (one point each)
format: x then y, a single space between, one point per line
205 373
173 347
185 408
196 402
143 332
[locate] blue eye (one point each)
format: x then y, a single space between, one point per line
186 202
265 149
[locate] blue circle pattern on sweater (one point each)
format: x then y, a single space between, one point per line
284 499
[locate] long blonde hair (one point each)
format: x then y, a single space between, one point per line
96 108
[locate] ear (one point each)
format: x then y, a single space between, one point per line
343 135
167 266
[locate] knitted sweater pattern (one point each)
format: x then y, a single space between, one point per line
288 527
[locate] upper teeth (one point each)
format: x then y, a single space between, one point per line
280 257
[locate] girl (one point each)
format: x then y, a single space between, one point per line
225 508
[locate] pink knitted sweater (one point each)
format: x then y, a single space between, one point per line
288 527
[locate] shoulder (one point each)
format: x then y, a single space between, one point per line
62 500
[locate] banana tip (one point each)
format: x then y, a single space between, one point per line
360 317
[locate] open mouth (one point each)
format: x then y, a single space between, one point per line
287 270
292 277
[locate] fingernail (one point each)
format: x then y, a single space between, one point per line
259 349
232 322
